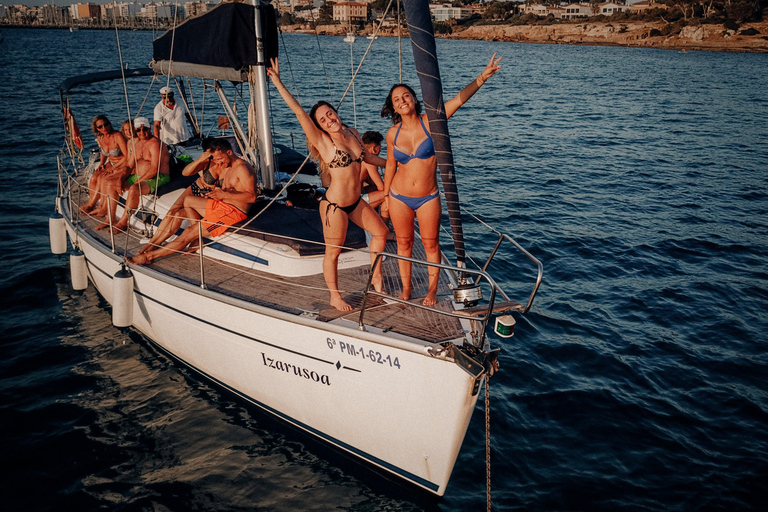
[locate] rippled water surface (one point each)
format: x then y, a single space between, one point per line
637 381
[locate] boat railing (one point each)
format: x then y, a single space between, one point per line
463 276
480 314
539 267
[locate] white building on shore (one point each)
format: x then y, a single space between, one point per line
128 9
445 12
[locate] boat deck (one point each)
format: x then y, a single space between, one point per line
306 295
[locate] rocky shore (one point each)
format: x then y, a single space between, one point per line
641 34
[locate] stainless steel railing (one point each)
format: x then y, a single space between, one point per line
480 315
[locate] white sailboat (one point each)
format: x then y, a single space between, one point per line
349 38
393 383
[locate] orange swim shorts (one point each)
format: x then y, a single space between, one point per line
219 216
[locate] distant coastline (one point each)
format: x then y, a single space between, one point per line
750 37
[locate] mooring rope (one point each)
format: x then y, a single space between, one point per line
488 439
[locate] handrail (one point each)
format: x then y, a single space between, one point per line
483 319
480 274
539 265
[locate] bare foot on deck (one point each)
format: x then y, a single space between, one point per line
340 304
193 247
430 299
119 228
406 295
87 208
377 283
149 247
98 212
141 259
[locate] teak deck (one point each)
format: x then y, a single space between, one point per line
307 295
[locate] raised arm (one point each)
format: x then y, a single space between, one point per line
198 165
452 105
314 135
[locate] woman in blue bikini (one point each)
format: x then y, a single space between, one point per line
335 145
410 175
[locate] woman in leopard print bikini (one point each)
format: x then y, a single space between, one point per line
333 145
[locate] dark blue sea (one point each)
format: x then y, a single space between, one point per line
638 381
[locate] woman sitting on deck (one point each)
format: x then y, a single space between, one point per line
333 144
410 176
111 169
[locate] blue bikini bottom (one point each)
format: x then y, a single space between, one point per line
414 203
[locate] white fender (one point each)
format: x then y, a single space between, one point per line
78 271
57 230
122 298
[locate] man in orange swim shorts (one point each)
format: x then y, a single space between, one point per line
219 216
224 205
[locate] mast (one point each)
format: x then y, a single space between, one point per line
260 103
425 57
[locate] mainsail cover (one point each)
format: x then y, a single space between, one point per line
224 37
425 57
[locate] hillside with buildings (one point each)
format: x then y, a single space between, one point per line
730 25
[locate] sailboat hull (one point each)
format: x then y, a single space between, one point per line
388 403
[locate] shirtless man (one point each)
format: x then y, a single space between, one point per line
210 173
225 205
149 158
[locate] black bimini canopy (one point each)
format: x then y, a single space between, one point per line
115 74
224 37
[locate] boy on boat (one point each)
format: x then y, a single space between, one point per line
372 186
226 203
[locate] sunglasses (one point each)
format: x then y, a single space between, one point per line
142 129
100 126
169 95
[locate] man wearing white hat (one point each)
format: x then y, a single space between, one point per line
170 126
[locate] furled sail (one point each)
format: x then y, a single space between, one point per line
220 44
425 57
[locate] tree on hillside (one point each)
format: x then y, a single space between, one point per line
499 10
739 10
745 10
325 16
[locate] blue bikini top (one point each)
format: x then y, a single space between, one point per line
425 150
